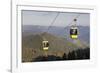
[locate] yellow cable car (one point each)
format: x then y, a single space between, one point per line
74 30
45 45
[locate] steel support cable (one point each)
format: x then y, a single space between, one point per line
51 24
53 21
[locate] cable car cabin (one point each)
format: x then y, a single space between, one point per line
74 32
45 45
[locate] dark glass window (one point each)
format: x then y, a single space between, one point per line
45 44
73 31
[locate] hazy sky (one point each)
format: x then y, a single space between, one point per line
30 17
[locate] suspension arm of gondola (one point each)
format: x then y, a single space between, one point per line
70 23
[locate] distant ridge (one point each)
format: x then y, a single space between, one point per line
84 31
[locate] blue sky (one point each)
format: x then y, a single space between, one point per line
45 18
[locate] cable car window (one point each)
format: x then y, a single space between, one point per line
73 31
47 44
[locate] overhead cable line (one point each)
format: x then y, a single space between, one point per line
53 21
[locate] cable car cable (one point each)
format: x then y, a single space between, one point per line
53 21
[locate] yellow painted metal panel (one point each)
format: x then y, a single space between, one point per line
74 36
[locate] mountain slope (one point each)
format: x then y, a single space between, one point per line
32 46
